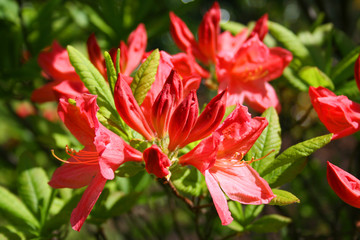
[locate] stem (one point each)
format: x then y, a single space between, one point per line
187 201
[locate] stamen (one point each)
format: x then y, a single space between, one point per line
85 157
239 162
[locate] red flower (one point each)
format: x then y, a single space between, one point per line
102 154
156 161
246 75
219 158
340 115
65 82
345 185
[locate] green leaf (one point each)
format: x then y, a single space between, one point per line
268 142
9 232
251 212
188 180
234 225
129 169
145 76
345 68
349 89
118 70
97 85
269 223
316 78
283 198
122 204
91 77
290 41
294 80
292 160
32 187
13 210
110 71
236 210
233 27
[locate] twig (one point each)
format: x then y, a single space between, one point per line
188 202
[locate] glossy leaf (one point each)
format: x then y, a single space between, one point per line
291 76
316 78
345 68
188 180
15 211
269 223
110 71
290 41
269 142
129 169
233 27
283 198
145 76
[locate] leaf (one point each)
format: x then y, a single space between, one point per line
233 27
123 204
268 142
129 169
15 211
97 85
291 161
316 78
33 188
91 77
283 198
145 76
290 41
188 180
234 225
269 223
345 68
251 212
236 210
292 78
110 71
11 233
349 89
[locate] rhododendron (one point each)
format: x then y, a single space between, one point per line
103 153
156 161
219 158
244 64
170 113
345 185
340 115
65 82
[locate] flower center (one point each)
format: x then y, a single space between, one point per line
80 157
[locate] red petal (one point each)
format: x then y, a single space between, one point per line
357 72
209 119
129 110
156 162
243 184
183 120
239 132
219 199
87 202
345 185
340 115
95 55
136 48
81 119
261 27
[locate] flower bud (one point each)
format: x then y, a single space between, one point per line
129 110
209 119
95 54
161 111
156 162
183 120
345 185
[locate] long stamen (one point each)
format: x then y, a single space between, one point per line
86 157
238 161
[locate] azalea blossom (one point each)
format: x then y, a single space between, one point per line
171 113
345 185
340 115
103 153
219 159
243 63
56 66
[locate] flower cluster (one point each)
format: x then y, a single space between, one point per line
168 116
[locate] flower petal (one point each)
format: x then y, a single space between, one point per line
219 199
87 202
136 48
345 185
243 184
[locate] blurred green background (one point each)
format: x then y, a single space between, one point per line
27 27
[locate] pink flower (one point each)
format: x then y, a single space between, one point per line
102 154
340 115
219 158
246 75
156 161
345 185
65 82
243 63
